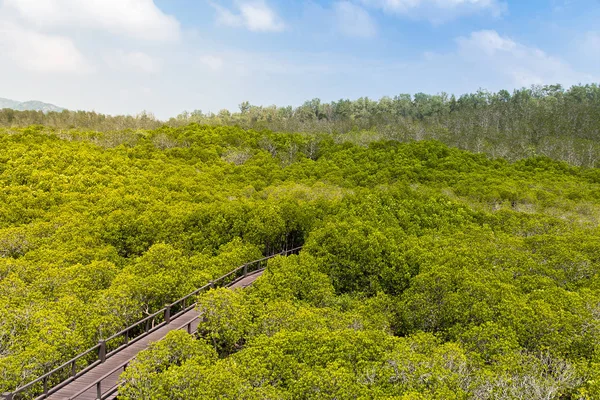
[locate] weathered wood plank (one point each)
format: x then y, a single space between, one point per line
247 281
126 354
118 359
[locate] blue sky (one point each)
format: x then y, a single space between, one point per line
166 56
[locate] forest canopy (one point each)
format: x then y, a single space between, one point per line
550 120
428 271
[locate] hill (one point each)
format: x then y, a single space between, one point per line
31 105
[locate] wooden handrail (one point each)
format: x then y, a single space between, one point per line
125 332
99 380
44 378
149 317
123 366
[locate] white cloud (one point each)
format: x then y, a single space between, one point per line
255 16
520 64
429 56
39 52
488 42
590 46
592 41
132 61
140 19
353 20
214 63
243 64
438 11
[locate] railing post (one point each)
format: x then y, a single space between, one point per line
98 390
102 351
168 314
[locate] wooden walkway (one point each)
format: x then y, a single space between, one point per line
93 374
247 281
75 389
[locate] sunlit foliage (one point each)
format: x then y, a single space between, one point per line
427 272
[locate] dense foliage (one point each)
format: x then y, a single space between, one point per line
428 272
546 120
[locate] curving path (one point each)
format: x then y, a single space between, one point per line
98 381
85 387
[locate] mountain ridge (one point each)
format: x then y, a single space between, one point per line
30 105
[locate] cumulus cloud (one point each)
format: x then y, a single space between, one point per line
39 52
438 11
488 42
352 20
138 61
522 65
255 16
590 46
214 63
592 40
140 19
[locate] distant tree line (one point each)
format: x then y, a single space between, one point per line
550 120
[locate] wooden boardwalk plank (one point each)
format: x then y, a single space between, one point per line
247 281
118 359
123 356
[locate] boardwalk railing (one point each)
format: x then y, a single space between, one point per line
66 373
99 388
